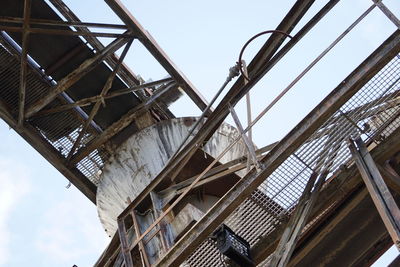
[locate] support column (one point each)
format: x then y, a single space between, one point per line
380 194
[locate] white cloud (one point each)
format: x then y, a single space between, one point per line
14 184
71 231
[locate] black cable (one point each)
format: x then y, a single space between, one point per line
249 41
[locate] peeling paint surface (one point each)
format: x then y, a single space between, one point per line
140 158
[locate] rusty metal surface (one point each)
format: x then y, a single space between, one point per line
52 59
294 168
259 202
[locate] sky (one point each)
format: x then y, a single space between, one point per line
43 223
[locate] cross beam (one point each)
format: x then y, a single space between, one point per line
75 75
233 198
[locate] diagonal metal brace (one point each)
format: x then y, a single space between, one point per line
249 145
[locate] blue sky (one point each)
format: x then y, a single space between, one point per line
42 223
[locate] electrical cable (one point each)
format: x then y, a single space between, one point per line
249 41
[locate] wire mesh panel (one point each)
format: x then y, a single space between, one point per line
60 129
372 113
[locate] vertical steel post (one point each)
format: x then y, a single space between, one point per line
378 190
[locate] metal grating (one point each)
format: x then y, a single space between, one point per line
60 136
373 112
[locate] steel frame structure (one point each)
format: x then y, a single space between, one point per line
267 163
72 26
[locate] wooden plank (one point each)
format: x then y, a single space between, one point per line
108 254
233 198
378 190
156 201
75 75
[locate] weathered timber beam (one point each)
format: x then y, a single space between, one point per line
75 75
24 59
35 139
117 126
157 52
233 198
49 22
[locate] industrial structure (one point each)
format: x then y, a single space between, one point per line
197 191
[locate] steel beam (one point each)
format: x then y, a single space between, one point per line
33 137
75 75
93 99
176 164
66 32
249 144
336 190
96 107
298 220
151 45
124 72
339 213
213 174
232 199
377 188
48 22
24 59
117 126
110 253
389 14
